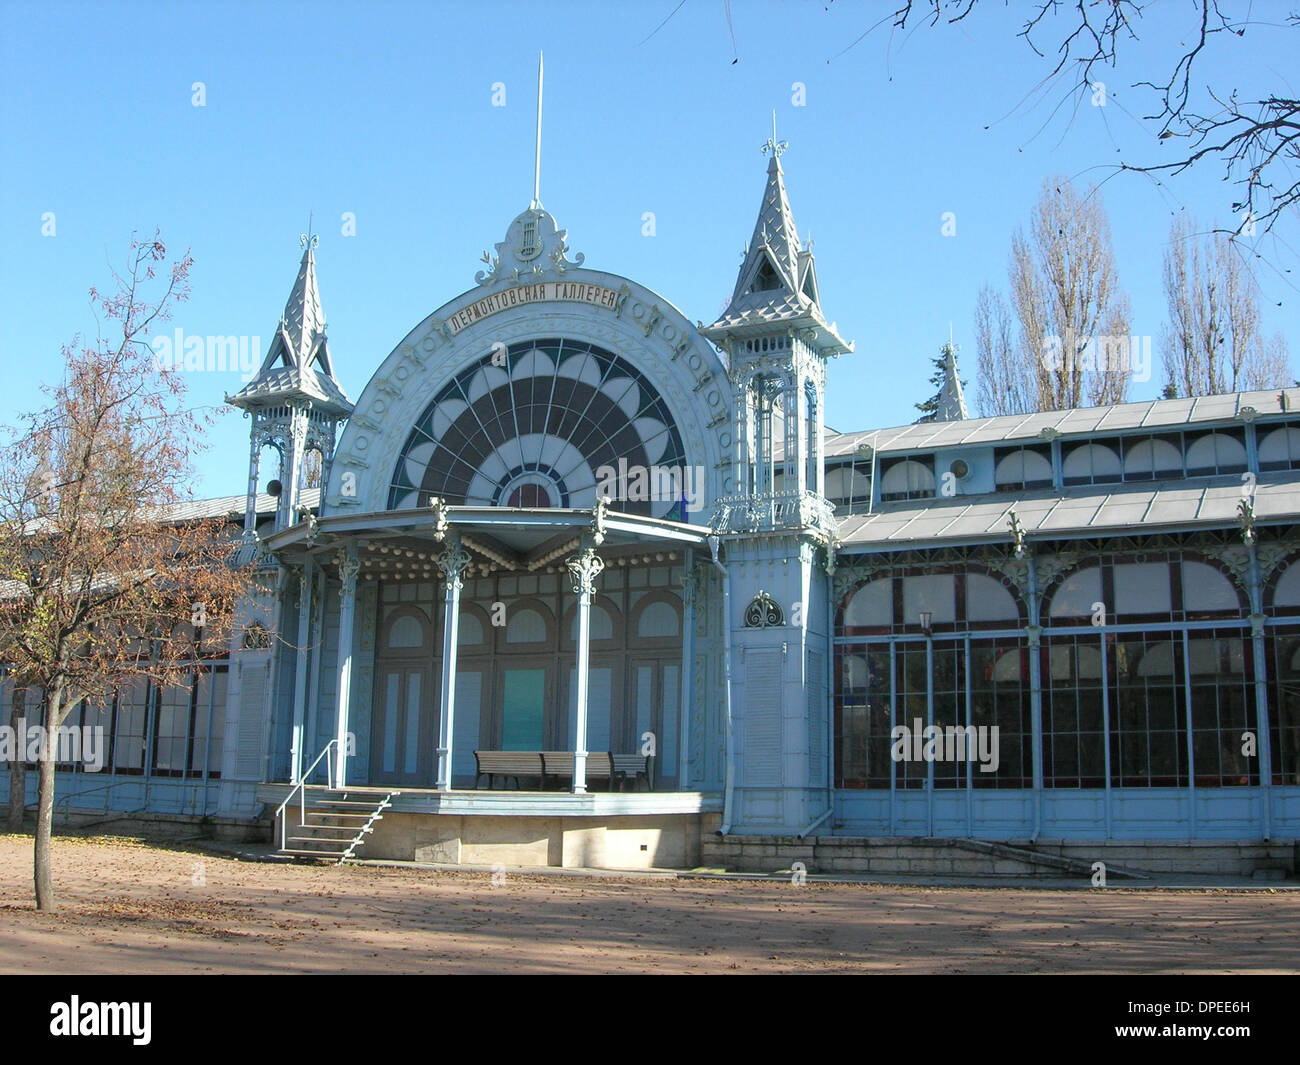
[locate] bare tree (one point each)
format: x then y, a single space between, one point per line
98 587
17 763
1007 382
1255 138
1273 367
1212 344
1073 347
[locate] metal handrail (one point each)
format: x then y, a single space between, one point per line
67 797
301 788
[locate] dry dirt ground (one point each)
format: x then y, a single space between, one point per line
126 906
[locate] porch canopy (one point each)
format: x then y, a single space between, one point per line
449 541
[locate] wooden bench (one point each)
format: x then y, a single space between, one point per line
632 768
509 765
552 768
558 765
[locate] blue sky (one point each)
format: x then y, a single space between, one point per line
385 110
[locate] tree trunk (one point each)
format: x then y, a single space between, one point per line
45 806
18 767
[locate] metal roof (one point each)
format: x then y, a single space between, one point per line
1085 511
1155 415
233 506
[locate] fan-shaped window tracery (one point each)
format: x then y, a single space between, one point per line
543 430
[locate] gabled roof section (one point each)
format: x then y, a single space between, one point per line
297 363
777 283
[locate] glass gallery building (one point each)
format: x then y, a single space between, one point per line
564 523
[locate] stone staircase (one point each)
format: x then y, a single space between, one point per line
332 823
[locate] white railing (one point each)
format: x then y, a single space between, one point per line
774 510
301 788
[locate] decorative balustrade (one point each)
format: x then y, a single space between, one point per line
774 511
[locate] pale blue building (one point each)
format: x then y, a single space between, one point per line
565 522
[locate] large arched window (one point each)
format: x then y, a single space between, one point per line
1158 586
1023 467
1091 464
1215 453
1280 450
1285 597
907 479
1151 458
909 602
559 423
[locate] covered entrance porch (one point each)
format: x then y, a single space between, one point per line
535 631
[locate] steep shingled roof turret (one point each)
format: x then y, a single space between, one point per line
297 363
777 283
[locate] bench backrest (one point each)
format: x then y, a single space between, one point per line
508 763
631 764
560 764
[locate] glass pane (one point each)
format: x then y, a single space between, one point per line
412 721
521 726
390 723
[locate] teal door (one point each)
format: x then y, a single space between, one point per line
523 709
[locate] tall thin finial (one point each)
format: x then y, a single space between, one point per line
309 239
776 147
537 159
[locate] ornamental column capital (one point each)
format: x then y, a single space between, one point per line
453 562
584 568
349 567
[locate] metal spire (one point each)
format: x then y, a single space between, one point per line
537 158
776 147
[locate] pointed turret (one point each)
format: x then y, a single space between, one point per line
297 363
777 343
777 283
951 400
294 400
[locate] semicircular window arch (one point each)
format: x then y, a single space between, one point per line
537 431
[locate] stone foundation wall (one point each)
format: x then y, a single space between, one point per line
667 841
974 858
160 826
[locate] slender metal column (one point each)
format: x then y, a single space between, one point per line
453 562
250 506
295 444
349 566
689 584
1188 724
1257 623
1265 745
929 724
584 568
300 672
1034 641
314 665
1105 722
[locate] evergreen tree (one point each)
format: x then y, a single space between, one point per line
930 408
